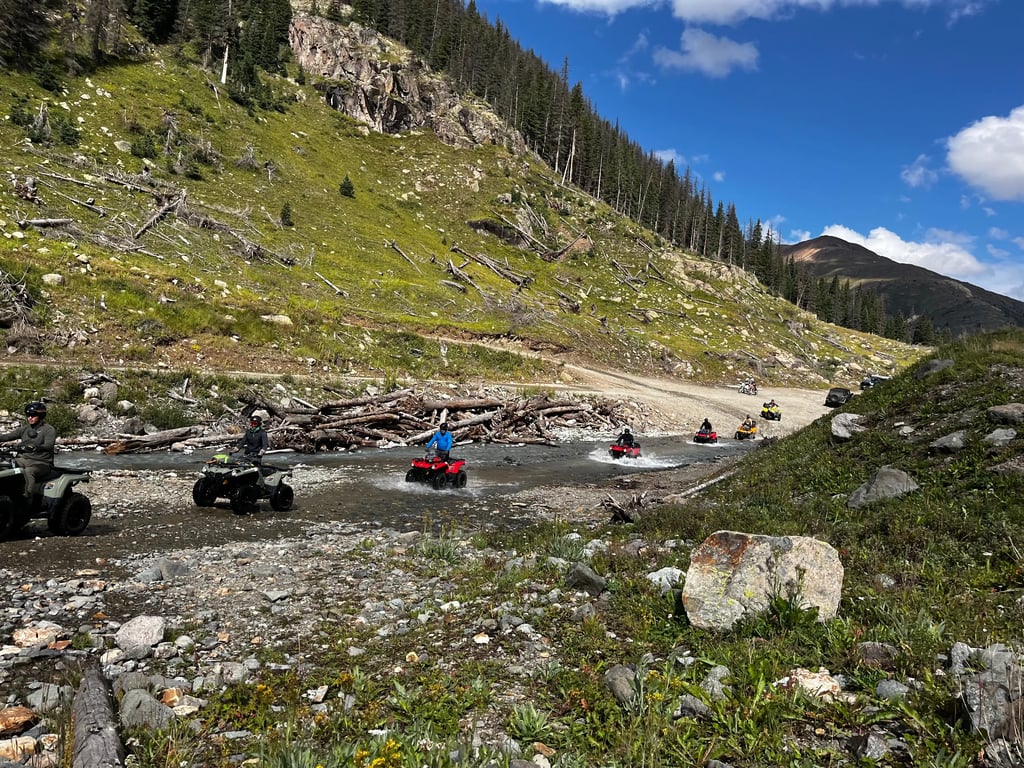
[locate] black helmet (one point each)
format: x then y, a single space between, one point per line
35 408
443 427
255 421
626 430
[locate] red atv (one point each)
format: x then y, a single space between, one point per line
617 451
704 436
437 472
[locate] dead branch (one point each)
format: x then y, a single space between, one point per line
400 252
40 223
166 208
338 291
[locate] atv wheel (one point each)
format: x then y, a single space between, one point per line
439 481
460 479
282 498
204 493
244 499
71 516
410 476
7 515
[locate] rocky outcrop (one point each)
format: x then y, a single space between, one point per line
380 83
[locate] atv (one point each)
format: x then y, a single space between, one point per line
704 436
437 472
617 451
243 482
746 433
66 511
748 387
771 412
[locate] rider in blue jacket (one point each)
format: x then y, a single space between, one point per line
443 440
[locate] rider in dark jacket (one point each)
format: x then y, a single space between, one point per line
706 426
35 455
625 439
255 441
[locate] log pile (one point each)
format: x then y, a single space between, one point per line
401 417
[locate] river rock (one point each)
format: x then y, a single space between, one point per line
142 630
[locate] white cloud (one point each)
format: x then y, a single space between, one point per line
997 253
798 236
712 55
918 174
989 154
718 176
735 11
942 252
665 155
998 233
1019 242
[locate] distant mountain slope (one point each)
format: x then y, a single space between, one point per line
950 304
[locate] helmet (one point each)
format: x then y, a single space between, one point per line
443 427
35 408
626 430
255 421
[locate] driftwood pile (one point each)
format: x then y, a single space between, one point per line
402 417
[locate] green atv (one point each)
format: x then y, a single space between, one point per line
67 512
243 482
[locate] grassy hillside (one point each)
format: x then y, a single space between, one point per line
250 223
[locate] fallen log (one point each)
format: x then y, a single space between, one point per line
398 394
150 442
96 743
39 223
461 405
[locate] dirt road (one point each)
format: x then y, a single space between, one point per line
680 406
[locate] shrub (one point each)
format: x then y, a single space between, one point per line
347 188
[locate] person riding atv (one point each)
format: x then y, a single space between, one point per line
35 455
625 446
442 439
771 411
31 486
747 430
706 433
255 442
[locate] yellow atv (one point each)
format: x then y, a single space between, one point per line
744 432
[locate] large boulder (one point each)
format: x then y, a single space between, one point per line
887 483
734 575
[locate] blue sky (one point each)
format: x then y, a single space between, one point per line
895 124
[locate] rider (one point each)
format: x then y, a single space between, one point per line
443 440
706 426
255 441
37 440
625 439
748 423
771 404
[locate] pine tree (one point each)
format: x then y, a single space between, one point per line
347 188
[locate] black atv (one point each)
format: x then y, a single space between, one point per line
67 512
243 482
